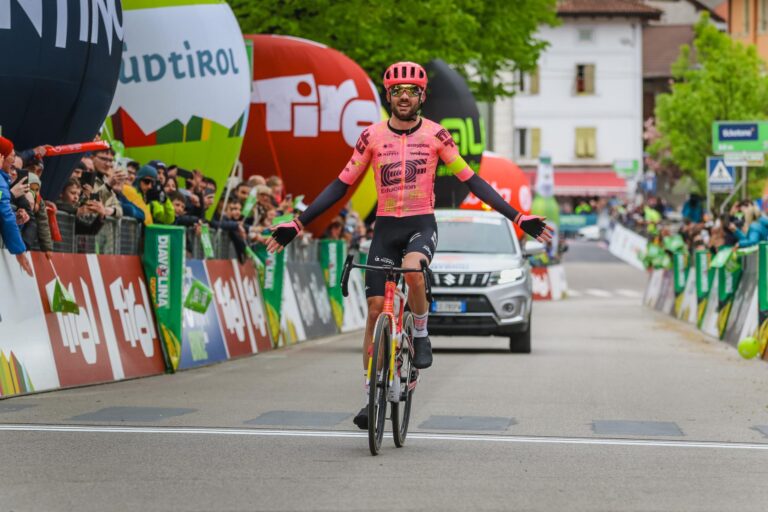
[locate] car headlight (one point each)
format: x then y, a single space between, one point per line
507 276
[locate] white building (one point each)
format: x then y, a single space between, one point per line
584 105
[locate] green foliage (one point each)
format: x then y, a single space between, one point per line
718 80
487 37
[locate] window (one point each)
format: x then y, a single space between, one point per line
586 142
585 35
746 15
763 21
527 143
585 79
528 82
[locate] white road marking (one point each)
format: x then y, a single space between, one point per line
425 436
632 294
573 293
595 292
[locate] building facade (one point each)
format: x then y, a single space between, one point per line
748 23
584 105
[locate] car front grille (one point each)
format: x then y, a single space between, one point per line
460 279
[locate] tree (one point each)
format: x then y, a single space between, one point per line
718 80
482 39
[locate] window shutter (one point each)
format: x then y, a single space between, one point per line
535 82
535 142
580 143
591 142
589 79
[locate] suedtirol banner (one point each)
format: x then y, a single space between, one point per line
680 274
728 277
703 282
309 105
332 254
451 103
201 341
185 85
742 300
60 67
164 268
274 268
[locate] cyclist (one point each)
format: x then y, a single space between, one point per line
403 152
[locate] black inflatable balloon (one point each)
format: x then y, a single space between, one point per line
58 75
450 103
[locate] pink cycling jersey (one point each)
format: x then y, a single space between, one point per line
404 166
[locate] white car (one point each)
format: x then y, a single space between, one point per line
482 279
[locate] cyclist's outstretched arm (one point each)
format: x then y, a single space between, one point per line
283 234
531 224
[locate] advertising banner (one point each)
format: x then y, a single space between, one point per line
762 294
184 86
332 255
540 283
742 299
61 73
666 301
309 105
627 246
26 355
653 288
201 342
291 325
164 268
312 298
703 283
272 287
355 304
239 306
709 320
688 309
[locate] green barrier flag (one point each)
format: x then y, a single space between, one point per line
680 269
205 241
331 260
274 266
63 301
250 202
164 267
198 297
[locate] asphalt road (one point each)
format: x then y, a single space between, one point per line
617 408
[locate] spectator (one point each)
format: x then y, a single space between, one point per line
78 171
242 190
276 184
88 212
8 227
335 229
180 210
170 186
256 180
131 169
260 233
264 203
88 163
693 209
160 167
37 230
231 222
106 178
150 198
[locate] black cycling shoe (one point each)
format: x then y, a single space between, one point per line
423 352
361 420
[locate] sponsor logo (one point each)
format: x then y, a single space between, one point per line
445 138
392 174
386 261
187 63
135 317
234 321
427 250
299 105
163 269
93 15
414 237
735 132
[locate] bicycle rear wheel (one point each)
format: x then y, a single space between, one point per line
377 388
407 374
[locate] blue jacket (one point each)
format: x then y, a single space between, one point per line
757 232
8 227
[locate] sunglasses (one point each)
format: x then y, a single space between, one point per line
411 90
148 181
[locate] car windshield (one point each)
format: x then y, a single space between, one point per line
474 235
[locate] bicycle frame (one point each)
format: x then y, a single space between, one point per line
391 291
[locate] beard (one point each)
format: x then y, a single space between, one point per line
410 115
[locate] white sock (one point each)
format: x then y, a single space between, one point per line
365 385
420 325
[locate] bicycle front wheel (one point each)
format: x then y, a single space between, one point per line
401 411
379 380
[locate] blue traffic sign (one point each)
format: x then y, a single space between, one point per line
721 177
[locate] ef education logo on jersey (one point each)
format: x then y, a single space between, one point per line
735 132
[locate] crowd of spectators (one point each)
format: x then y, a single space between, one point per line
101 188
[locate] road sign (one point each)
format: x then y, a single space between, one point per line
626 168
744 159
721 177
738 136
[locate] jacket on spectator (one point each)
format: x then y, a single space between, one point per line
756 233
84 224
8 227
107 196
158 210
37 229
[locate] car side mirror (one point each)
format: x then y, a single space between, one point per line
534 247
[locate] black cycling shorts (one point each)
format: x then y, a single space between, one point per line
393 238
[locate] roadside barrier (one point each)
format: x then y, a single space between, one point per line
132 323
549 283
726 296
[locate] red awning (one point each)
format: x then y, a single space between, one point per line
585 182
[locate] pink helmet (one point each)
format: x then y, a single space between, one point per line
405 73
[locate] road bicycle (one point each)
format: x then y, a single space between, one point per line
393 377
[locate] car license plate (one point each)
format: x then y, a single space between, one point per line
449 306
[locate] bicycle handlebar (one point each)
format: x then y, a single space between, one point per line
349 265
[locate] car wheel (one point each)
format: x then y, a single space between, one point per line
520 342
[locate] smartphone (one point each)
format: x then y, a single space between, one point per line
183 173
20 175
289 197
95 196
88 178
